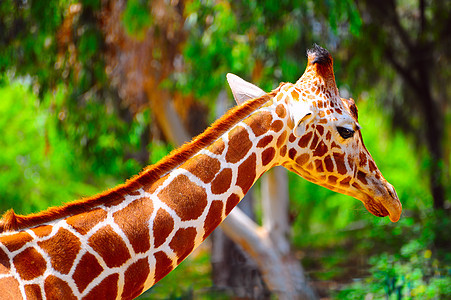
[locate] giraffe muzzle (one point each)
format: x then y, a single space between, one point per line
385 204
392 203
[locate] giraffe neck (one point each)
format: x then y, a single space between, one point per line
193 199
122 247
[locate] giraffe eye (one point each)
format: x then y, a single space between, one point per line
345 132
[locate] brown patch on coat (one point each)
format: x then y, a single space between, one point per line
86 271
281 140
247 173
319 166
340 163
362 177
110 246
362 159
4 262
16 241
332 180
9 288
356 185
277 125
222 182
314 142
328 136
56 288
105 290
320 129
239 144
329 163
133 221
186 198
32 291
163 265
320 149
42 231
292 153
84 222
281 111
264 141
335 145
214 217
268 155
183 242
203 167
232 201
283 151
302 159
305 139
116 201
29 264
217 147
134 279
62 248
259 122
372 166
162 227
345 182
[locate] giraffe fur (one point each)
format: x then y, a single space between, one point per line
118 244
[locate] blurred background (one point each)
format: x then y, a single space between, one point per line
92 91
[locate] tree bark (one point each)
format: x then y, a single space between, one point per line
234 271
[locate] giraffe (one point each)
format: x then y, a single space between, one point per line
119 243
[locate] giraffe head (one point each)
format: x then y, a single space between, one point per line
324 143
327 146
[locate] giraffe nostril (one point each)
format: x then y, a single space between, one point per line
391 191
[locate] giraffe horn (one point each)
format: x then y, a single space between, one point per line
319 55
243 90
321 63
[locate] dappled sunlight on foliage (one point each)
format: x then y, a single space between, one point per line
34 162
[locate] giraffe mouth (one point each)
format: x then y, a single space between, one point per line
376 209
387 204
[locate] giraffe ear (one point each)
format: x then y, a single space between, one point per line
243 90
301 114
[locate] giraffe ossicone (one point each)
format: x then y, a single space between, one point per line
121 242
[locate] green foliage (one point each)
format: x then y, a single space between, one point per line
34 162
39 169
262 39
93 126
69 61
28 43
136 18
412 274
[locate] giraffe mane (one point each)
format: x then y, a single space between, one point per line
13 222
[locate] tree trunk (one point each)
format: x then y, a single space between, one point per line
233 270
267 245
